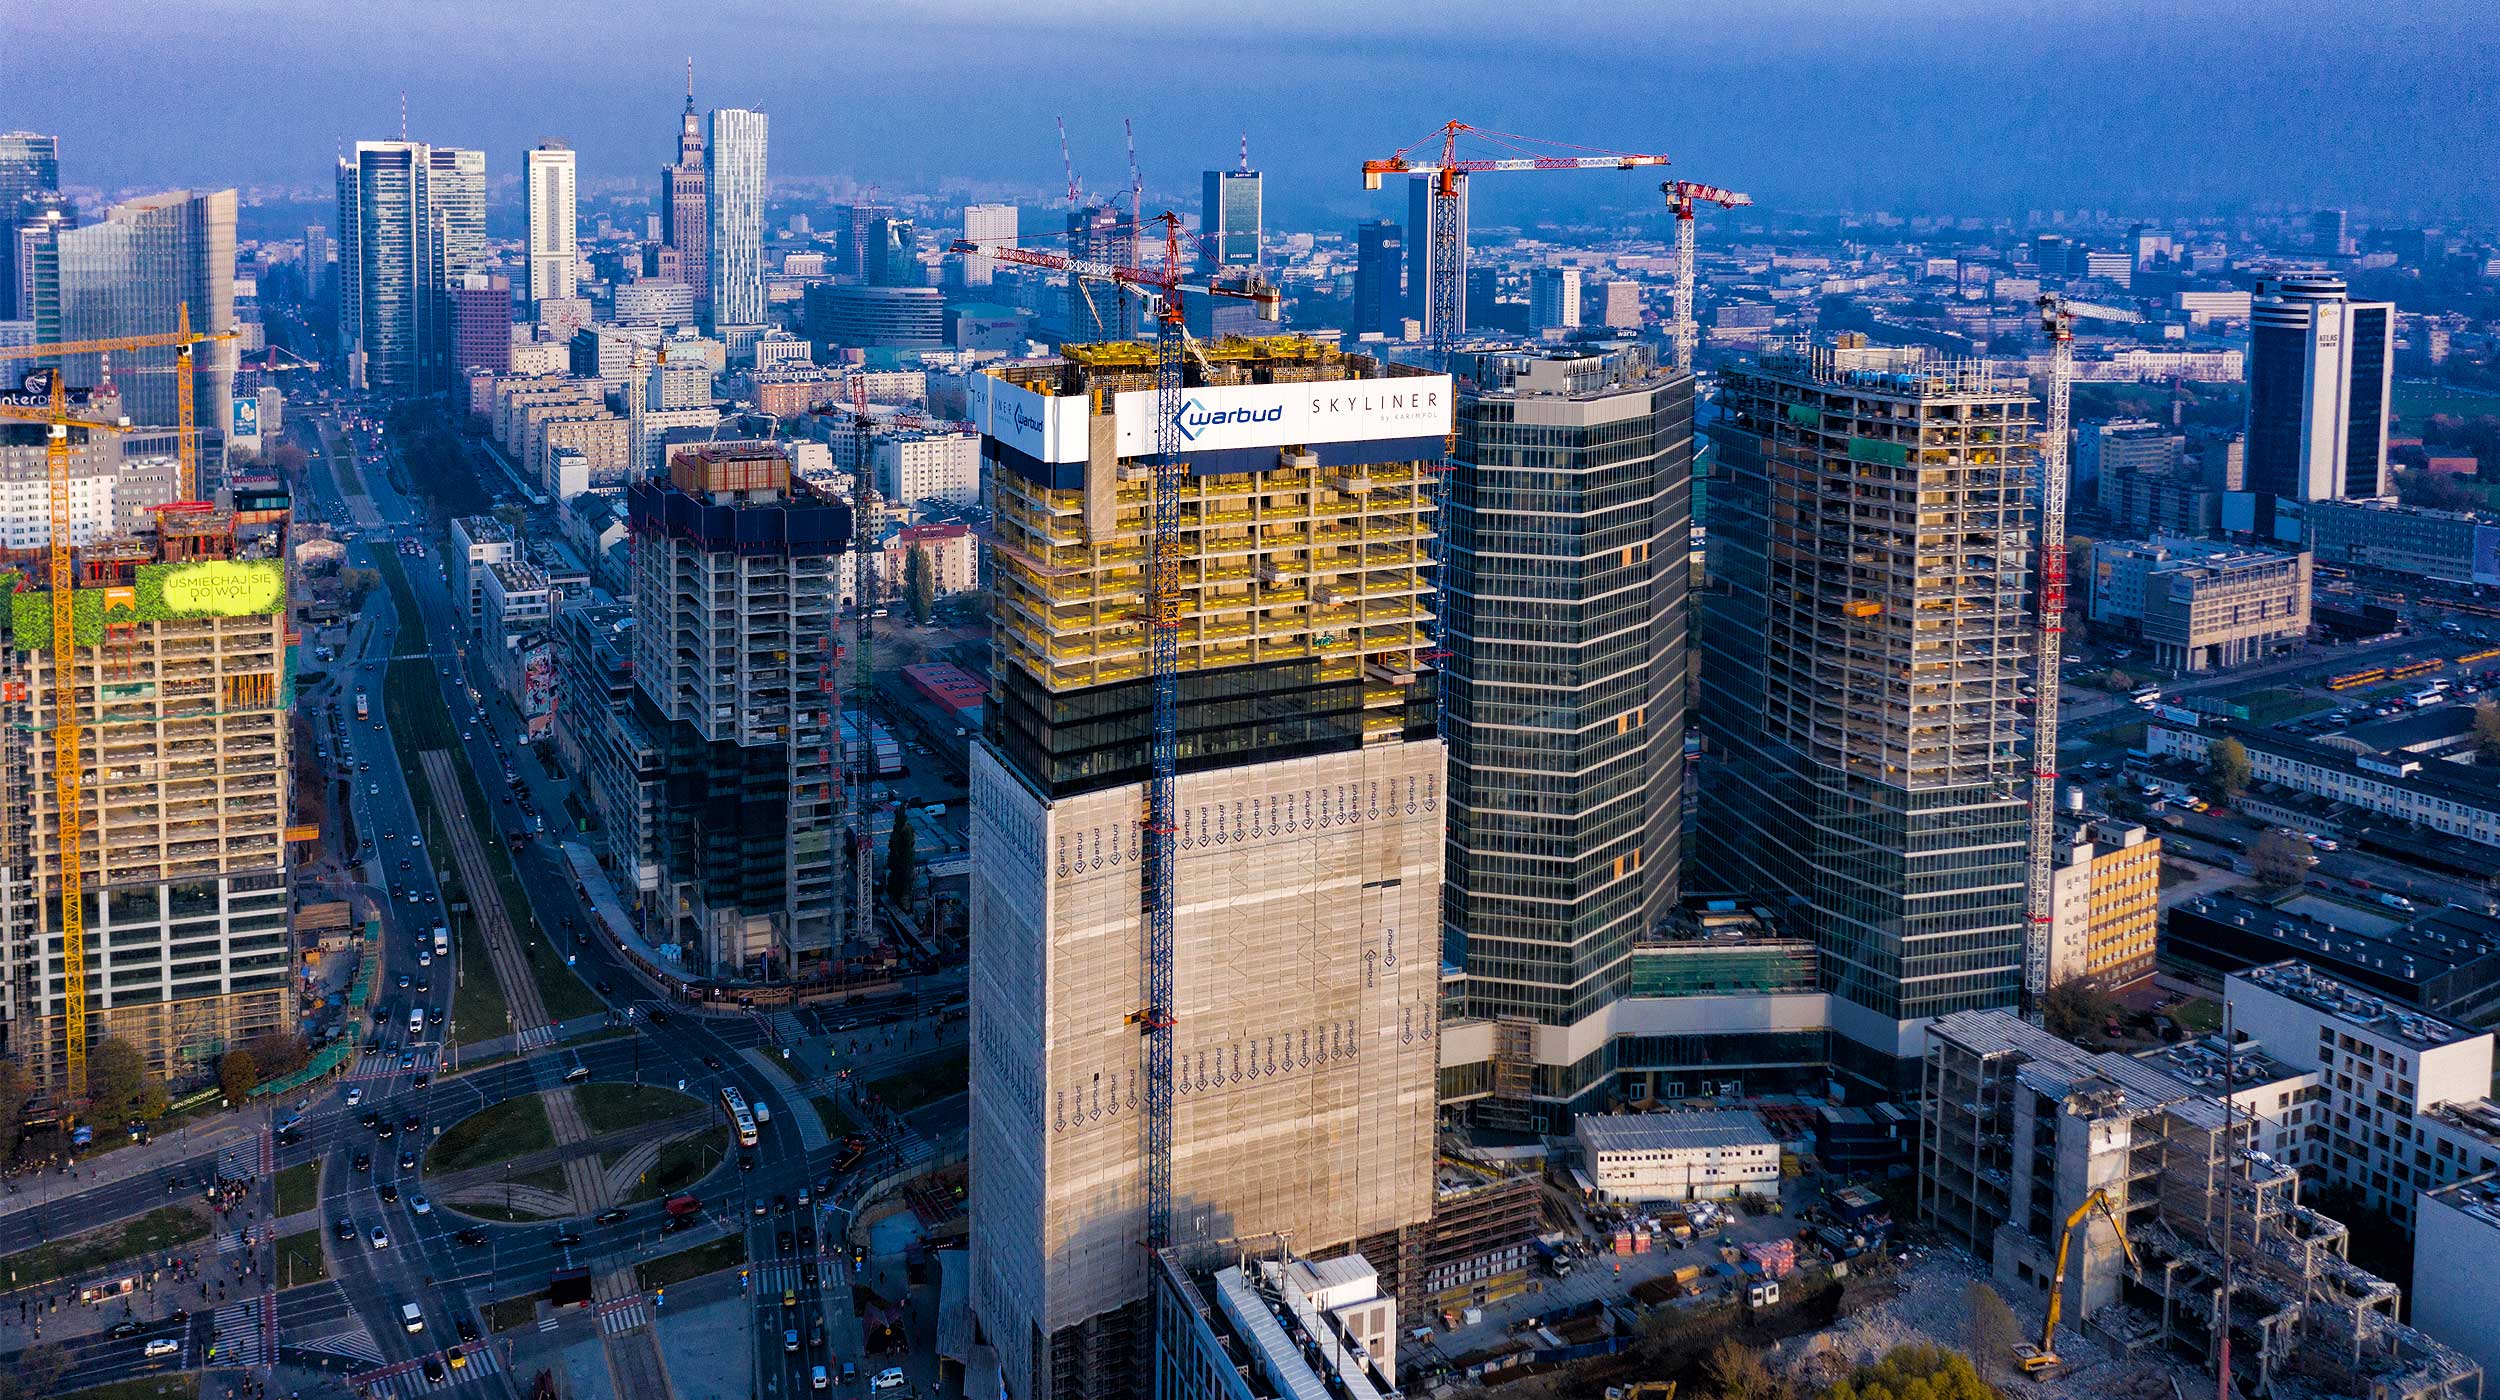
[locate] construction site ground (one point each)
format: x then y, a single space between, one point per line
1928 1304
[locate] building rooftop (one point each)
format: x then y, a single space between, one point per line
2205 1063
2310 987
2408 951
1682 1128
484 529
1902 371
2450 780
1268 1315
2477 1196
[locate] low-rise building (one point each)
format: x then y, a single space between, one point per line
2107 886
2457 799
949 550
2457 546
1678 1155
2199 604
2440 961
1244 1324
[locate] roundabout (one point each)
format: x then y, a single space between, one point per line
574 1151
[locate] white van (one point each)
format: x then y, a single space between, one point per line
891 1378
412 1317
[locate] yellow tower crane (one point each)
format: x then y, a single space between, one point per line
69 762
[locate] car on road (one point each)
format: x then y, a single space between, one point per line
346 1228
816 1379
789 1339
363 1162
468 1329
384 1129
408 1124
658 1017
161 1347
607 1217
403 978
472 1237
711 1061
891 1378
789 1301
676 1223
389 1192
566 1239
781 1205
434 1370
746 1163
603 988
381 1238
355 1095
127 1327
783 1242
420 1205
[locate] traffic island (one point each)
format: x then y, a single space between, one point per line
496 1133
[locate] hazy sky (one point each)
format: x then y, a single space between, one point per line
1963 105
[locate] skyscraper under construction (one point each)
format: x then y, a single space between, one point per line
1866 640
1309 842
182 691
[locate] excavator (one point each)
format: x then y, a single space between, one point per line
2034 1360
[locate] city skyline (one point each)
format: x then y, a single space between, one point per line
2074 128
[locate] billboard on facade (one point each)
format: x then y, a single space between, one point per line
201 588
1220 418
246 417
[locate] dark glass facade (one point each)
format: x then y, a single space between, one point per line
1568 527
2367 335
2277 389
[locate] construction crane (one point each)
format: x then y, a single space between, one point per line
69 759
1682 197
1161 290
2057 322
2034 1360
1449 173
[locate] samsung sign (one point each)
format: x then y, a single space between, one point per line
1220 419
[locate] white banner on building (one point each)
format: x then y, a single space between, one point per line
1221 419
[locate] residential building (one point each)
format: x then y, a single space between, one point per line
131 274
912 467
1230 216
1566 621
478 543
733 176
678 384
2328 235
777 350
2109 454
790 391
949 549
2021 1132
992 226
110 492
654 302
1866 659
2105 904
1380 304
554 264
481 325
184 849
1486 1216
2453 799
2453 1245
1308 804
1623 305
1554 299
733 565
2198 604
2320 370
2439 961
1678 1155
1099 311
686 207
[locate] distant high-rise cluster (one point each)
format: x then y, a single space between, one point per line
411 226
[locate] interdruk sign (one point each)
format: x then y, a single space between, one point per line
1220 419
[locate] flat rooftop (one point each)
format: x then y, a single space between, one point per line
2477 1196
1681 1128
2409 950
2310 987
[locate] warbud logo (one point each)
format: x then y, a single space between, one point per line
1025 421
1195 418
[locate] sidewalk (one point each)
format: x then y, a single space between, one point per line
150 1158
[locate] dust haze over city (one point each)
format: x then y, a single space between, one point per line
1781 701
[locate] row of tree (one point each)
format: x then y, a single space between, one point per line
122 1089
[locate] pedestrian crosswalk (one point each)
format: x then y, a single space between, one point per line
238 1161
909 1147
467 1362
775 1275
385 1066
239 1241
623 1315
535 1037
240 1340
356 1344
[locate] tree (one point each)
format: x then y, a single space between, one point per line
15 1089
116 1080
1918 1370
2227 768
356 583
1737 1372
279 1053
2076 1008
2487 731
2278 858
902 862
1993 1330
287 459
238 1074
920 585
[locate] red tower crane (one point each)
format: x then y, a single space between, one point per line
1682 196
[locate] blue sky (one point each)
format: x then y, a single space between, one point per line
1959 105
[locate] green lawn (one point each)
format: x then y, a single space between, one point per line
299 1188
837 1119
2416 400
299 1259
153 1233
923 1084
703 1259
480 1007
609 1108
498 1212
2198 1017
680 1165
496 1133
2282 706
512 1313
412 639
177 1385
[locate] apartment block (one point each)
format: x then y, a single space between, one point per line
912 467
1866 636
2198 604
733 588
2020 1130
2446 797
183 693
2106 903
477 543
1309 808
1257 1322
